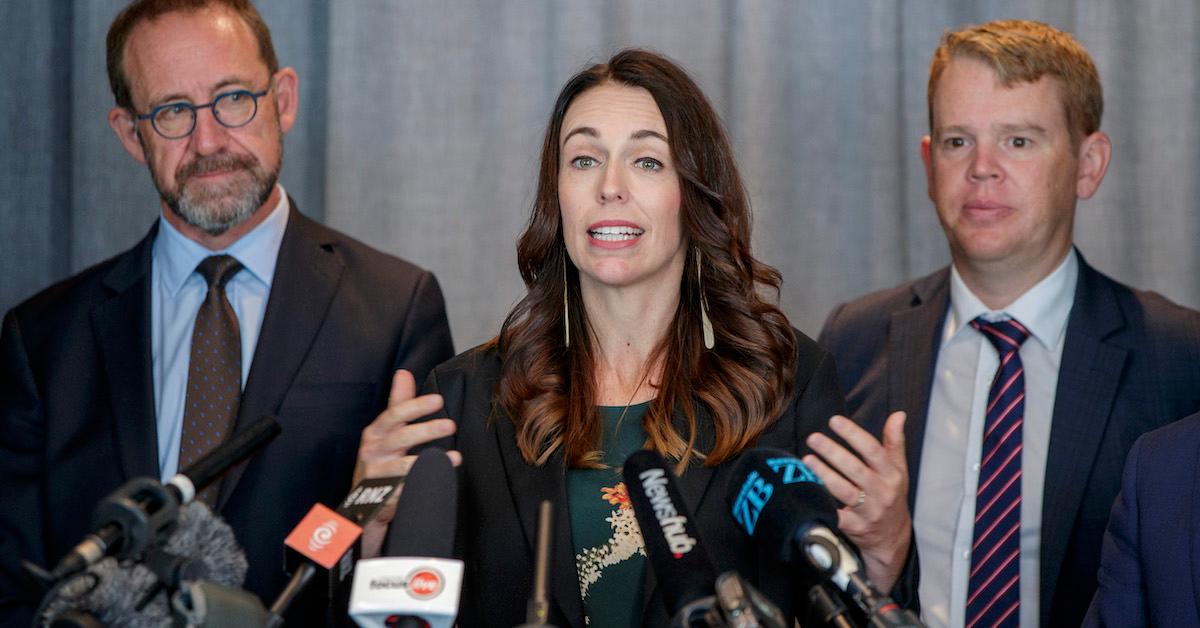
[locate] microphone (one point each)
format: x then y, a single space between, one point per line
427 513
325 542
537 610
132 517
685 573
207 604
201 547
740 604
419 581
785 507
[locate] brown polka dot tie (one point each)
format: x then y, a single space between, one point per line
214 370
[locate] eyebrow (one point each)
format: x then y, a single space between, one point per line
225 82
583 130
1002 128
954 128
644 133
636 135
1010 128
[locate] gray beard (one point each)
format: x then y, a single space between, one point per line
215 208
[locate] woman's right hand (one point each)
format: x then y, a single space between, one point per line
386 443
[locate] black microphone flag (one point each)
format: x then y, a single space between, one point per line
684 571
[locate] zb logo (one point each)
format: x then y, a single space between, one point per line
792 470
756 491
753 496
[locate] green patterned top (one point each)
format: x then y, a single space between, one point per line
609 556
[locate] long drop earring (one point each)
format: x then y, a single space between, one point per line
705 324
566 312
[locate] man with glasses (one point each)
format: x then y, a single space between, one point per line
235 305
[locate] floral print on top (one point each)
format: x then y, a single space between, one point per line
610 558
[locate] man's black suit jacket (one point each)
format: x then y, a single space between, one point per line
1131 363
77 414
500 494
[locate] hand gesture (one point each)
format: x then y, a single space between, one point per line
871 482
386 442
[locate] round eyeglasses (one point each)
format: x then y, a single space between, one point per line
177 120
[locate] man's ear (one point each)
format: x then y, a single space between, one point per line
927 159
125 126
287 97
1095 151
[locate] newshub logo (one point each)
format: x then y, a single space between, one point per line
673 524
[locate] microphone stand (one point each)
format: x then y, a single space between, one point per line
828 608
537 611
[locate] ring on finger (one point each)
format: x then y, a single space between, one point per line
862 497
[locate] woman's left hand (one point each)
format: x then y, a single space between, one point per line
872 484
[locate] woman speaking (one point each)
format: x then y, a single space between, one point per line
646 325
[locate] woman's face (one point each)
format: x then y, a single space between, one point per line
619 191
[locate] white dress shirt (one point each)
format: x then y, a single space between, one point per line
944 516
176 293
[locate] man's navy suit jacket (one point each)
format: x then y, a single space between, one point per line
1150 564
1130 363
77 415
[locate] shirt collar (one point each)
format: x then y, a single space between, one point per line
1043 309
177 255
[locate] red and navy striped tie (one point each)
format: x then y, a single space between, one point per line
994 587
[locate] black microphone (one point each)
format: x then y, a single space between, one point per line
693 596
684 571
786 508
128 520
224 457
417 582
427 513
201 547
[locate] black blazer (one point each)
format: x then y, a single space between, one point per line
77 395
1131 362
500 493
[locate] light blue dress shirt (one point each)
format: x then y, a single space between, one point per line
944 515
176 292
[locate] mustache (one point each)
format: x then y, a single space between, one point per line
215 163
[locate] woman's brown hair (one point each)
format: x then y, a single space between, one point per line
743 383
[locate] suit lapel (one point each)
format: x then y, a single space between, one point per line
529 485
122 329
913 341
306 278
1087 384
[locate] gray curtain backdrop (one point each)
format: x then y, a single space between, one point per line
421 121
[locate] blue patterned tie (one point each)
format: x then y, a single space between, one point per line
994 587
214 370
